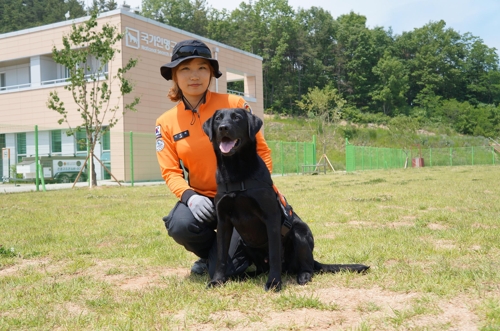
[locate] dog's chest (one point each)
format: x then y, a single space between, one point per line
249 212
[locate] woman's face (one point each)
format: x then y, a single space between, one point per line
193 77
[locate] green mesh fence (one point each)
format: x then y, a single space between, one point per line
291 157
129 156
368 158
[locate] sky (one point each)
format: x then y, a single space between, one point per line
479 17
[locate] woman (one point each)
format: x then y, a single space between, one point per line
186 156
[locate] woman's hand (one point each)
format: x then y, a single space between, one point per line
202 208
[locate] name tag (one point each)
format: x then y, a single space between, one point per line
181 135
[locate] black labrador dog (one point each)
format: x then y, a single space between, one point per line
246 200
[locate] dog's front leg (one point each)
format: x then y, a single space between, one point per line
274 236
224 233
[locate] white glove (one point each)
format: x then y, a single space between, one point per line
202 208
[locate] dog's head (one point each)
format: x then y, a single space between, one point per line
229 129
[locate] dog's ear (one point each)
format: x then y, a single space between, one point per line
207 126
254 125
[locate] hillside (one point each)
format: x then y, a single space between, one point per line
332 139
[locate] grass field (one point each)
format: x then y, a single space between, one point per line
101 259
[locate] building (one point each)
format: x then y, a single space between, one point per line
28 74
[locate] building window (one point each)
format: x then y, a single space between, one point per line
2 145
21 146
81 143
106 154
2 81
106 141
55 142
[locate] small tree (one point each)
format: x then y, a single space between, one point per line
403 129
88 53
325 106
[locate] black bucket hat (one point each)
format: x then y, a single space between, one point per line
186 50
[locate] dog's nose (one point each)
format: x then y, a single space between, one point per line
223 128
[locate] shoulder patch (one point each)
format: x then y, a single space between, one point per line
160 144
158 131
246 106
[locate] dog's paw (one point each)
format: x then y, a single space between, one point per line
304 277
216 283
273 285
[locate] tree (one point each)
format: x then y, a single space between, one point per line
325 105
23 14
357 50
103 5
187 15
403 130
87 54
392 86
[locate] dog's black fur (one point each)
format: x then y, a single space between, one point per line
247 201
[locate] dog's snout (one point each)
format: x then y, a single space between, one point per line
223 128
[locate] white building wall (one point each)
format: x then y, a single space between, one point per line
17 75
49 69
30 144
10 142
35 71
43 143
68 144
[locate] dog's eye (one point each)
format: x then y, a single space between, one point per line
236 117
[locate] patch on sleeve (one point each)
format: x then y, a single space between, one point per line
160 144
246 106
158 131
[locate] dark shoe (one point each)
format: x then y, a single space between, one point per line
200 267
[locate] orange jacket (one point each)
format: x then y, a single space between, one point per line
180 139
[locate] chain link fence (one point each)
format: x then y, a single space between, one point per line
370 158
50 154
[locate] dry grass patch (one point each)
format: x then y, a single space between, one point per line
105 262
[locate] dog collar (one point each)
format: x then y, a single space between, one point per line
287 213
226 188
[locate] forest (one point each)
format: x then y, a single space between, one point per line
315 65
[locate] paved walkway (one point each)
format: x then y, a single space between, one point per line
18 187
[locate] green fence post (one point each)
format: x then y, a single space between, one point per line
40 168
493 155
430 157
37 167
132 158
472 155
451 156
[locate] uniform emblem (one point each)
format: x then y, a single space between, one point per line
247 107
181 135
158 131
159 145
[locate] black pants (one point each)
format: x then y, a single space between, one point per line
201 239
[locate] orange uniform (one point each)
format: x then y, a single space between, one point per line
180 139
